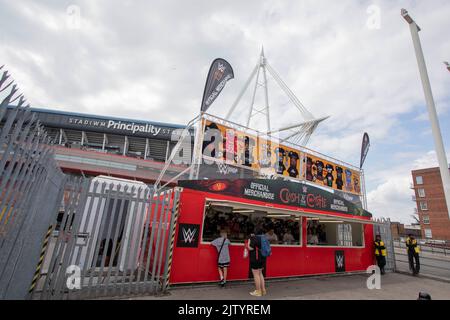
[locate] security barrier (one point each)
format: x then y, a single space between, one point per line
107 237
113 241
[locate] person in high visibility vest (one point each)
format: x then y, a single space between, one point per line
413 254
380 253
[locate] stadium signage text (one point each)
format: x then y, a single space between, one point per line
119 125
147 128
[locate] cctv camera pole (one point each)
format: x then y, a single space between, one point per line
439 145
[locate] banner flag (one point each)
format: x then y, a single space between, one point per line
219 73
364 148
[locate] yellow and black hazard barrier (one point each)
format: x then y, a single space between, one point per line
172 241
37 273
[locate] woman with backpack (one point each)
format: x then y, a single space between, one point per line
257 260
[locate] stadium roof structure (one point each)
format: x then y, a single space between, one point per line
298 133
103 117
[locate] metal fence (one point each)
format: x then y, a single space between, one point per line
383 228
434 249
433 261
30 190
114 240
65 237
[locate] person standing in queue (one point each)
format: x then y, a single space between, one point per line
223 259
413 254
380 253
257 261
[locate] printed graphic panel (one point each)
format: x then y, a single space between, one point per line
330 174
265 156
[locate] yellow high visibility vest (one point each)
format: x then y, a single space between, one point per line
379 246
413 244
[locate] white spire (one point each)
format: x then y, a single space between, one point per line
298 133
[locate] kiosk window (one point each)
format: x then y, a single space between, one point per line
281 229
334 233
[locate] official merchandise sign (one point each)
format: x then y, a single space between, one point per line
353 198
288 193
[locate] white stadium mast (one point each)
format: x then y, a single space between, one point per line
297 133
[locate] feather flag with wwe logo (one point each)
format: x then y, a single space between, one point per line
364 148
219 73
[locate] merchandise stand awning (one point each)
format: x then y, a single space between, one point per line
296 211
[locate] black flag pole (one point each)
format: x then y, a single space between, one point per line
219 74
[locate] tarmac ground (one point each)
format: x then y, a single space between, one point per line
394 286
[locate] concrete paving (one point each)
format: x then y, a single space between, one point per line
394 286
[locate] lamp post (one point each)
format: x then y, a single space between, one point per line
438 144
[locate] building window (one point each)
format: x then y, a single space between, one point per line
421 192
327 232
237 221
423 205
428 233
345 235
419 180
426 219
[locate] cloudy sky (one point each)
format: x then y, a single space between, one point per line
350 60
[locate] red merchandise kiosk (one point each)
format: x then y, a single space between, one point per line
312 231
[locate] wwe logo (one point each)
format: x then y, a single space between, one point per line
221 67
225 169
189 235
340 261
222 168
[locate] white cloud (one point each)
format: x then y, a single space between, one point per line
428 160
392 197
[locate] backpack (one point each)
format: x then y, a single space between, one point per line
265 246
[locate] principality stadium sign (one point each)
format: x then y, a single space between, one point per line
119 127
133 127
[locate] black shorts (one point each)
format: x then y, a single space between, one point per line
256 264
223 265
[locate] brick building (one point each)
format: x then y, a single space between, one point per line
399 230
431 207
